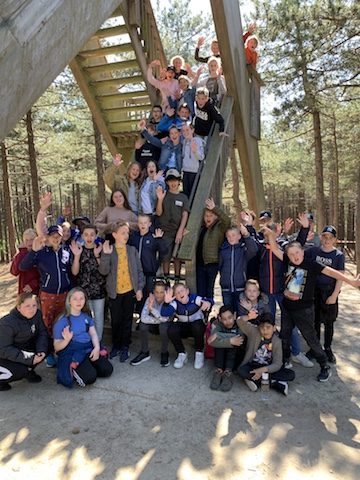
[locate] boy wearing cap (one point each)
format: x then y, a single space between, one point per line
172 209
327 289
53 263
168 87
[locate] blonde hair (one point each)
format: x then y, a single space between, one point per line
252 37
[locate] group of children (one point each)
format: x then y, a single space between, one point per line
74 272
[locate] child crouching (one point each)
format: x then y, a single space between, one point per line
263 353
153 322
226 338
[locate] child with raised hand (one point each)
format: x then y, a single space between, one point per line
215 82
130 182
53 263
226 338
150 246
28 281
253 299
189 310
173 210
172 118
124 284
181 68
77 344
85 267
147 195
193 152
212 236
146 151
171 150
153 322
234 255
214 47
169 86
263 353
251 45
298 303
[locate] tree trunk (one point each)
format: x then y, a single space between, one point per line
78 200
357 223
9 216
236 190
335 193
320 203
99 168
33 165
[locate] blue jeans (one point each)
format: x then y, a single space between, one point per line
232 299
205 279
295 340
97 307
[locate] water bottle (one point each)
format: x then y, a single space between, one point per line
265 387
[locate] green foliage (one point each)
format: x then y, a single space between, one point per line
180 29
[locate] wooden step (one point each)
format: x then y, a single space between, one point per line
113 82
111 32
115 66
130 108
122 96
102 52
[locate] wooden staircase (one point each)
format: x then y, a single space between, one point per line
111 70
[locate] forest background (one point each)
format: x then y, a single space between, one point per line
309 59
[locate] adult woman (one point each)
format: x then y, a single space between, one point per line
118 210
23 342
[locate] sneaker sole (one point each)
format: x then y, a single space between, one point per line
164 364
180 366
251 385
141 361
325 379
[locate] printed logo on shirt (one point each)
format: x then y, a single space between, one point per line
201 114
179 203
65 256
326 262
33 328
295 283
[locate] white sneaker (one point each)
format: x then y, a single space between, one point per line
199 360
288 365
251 385
182 358
302 359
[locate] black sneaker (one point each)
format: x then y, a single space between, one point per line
325 374
216 380
227 381
114 351
142 357
164 359
4 387
33 377
281 387
124 354
330 356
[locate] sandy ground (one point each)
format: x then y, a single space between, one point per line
151 423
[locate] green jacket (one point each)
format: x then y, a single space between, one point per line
215 236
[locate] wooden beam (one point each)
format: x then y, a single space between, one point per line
112 50
114 82
122 96
112 67
111 32
227 20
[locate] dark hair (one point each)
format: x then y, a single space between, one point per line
160 283
23 297
226 308
154 161
174 126
88 226
157 106
266 317
184 105
272 226
126 201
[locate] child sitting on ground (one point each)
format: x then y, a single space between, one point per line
252 299
263 353
153 322
226 338
189 309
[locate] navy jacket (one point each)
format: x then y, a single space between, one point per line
166 151
21 338
233 261
148 248
54 268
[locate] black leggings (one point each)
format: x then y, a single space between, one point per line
179 330
12 371
88 371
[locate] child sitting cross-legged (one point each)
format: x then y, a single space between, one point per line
153 322
189 309
226 338
263 353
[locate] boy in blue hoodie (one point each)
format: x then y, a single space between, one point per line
234 255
